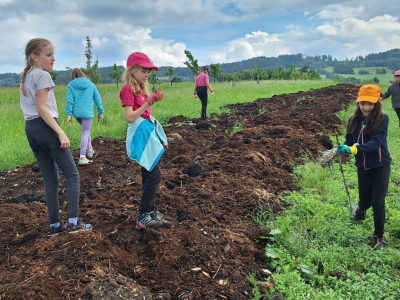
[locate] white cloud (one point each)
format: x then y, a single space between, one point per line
337 12
327 29
161 52
257 43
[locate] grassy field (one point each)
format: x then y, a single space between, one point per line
383 78
316 236
178 100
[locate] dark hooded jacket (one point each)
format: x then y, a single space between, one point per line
372 151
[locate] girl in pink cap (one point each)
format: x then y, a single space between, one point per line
394 91
145 140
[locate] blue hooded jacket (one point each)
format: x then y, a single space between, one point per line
81 93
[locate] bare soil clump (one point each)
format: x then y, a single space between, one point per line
215 177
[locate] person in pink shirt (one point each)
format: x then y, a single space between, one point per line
201 84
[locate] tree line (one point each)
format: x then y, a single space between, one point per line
258 68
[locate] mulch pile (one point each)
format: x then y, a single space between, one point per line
216 175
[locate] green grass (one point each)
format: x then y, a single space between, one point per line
316 236
178 100
383 78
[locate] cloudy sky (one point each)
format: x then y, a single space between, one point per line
215 31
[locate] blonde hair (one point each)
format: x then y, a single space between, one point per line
132 82
77 72
34 46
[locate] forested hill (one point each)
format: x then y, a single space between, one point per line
389 59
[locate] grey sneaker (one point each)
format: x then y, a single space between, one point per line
155 215
52 231
145 221
71 228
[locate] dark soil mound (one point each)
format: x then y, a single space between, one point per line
215 176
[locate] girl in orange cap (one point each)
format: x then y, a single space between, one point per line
366 132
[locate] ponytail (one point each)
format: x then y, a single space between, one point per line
23 76
34 46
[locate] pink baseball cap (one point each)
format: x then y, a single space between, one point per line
140 59
397 73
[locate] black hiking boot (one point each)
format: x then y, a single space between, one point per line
379 243
360 214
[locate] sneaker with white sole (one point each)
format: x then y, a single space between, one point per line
52 231
145 221
89 153
84 161
71 228
155 215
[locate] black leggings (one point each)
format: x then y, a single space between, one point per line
397 110
150 181
372 189
202 94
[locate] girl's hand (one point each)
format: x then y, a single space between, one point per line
212 93
195 95
69 120
99 117
64 141
156 96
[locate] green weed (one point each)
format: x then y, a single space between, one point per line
225 111
261 111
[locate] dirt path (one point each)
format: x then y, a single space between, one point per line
213 182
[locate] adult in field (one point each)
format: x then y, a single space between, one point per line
201 84
394 91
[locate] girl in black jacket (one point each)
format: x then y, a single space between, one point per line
366 138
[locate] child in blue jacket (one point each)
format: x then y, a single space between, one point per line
366 138
81 93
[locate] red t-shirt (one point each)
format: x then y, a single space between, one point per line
201 79
136 101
